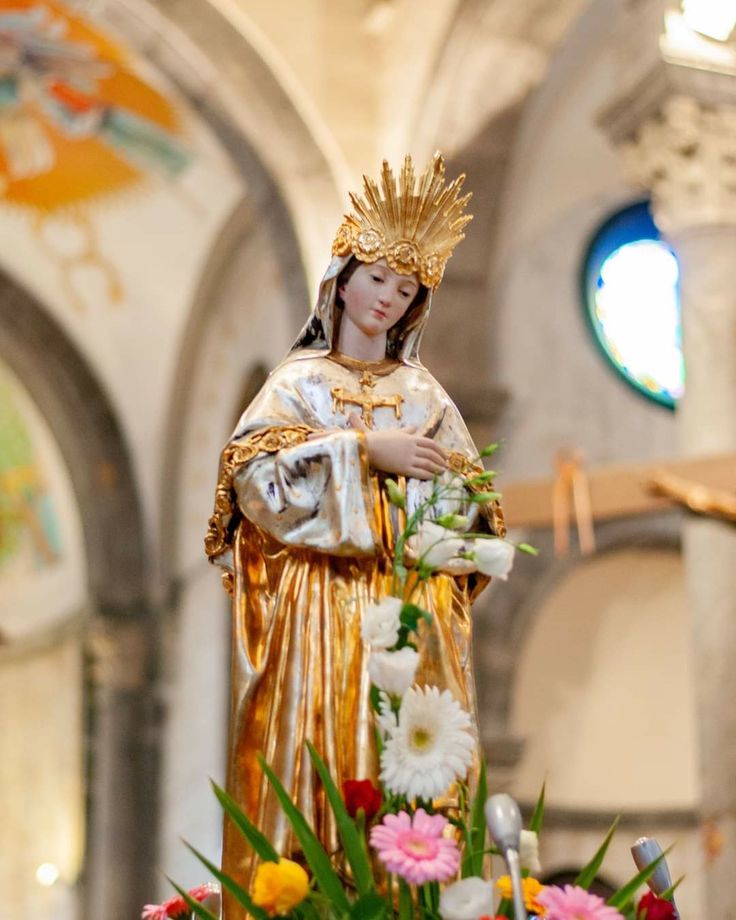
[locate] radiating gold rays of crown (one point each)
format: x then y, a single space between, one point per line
415 227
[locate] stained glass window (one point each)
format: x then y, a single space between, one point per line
632 303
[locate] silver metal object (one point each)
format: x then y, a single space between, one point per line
504 823
645 851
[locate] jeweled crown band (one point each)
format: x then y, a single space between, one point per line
415 227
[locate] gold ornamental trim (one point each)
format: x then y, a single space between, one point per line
269 440
413 226
459 463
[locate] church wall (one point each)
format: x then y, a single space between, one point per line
246 323
564 180
621 646
119 275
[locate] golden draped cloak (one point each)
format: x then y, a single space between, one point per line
304 530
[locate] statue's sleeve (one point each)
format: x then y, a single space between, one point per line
305 491
315 495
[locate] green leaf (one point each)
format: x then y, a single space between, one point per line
395 495
240 894
505 908
589 872
489 450
528 548
370 906
538 817
406 907
480 497
199 910
251 833
481 478
411 614
473 861
318 860
452 521
351 840
621 898
669 894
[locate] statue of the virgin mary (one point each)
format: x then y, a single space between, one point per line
303 525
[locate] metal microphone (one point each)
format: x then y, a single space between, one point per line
504 823
645 851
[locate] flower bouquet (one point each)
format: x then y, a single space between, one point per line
417 847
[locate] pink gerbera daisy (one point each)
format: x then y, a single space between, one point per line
573 903
415 848
155 912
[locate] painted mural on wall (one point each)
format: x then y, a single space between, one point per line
28 520
78 125
41 556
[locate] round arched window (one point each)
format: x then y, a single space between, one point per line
632 303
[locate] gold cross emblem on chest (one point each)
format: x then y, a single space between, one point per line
365 400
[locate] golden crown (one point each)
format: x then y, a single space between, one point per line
414 228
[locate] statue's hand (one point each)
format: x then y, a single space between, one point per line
402 452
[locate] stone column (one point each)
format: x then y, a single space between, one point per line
121 869
675 125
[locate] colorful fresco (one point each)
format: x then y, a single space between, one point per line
76 122
28 521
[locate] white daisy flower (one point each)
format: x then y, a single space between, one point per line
431 746
380 624
393 671
494 557
468 899
386 718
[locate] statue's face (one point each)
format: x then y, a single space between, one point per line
376 297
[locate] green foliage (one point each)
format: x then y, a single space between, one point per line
196 908
351 839
537 818
319 862
482 497
589 872
372 906
475 833
246 827
620 900
239 893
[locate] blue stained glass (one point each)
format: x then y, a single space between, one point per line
632 302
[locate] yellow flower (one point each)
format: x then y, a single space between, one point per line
278 887
530 888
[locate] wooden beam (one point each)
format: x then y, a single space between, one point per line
616 491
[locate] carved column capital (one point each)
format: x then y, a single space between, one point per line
685 154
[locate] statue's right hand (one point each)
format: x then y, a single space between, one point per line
405 453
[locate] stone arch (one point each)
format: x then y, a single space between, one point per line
122 762
258 111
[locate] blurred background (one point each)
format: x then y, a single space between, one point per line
171 177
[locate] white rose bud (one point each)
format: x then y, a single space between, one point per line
393 671
467 899
380 625
529 852
494 557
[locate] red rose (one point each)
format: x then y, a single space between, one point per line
361 793
656 908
